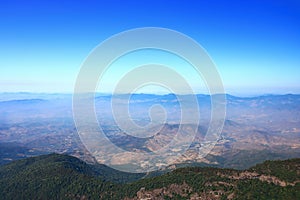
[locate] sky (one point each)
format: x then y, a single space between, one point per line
255 45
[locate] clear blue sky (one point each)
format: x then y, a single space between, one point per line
255 44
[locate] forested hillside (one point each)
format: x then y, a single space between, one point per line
58 176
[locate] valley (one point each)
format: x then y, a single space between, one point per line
255 129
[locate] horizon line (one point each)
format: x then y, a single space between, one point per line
152 93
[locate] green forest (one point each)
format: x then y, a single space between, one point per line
57 176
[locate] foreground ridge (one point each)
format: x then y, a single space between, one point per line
57 176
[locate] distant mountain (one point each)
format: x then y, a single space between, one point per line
57 176
22 101
255 129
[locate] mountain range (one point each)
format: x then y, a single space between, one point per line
255 128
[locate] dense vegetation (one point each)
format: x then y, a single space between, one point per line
57 176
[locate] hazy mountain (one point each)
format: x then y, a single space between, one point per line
255 129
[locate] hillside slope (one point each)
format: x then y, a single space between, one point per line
57 176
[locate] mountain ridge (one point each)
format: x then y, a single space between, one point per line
57 176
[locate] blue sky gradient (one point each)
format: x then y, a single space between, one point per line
255 44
